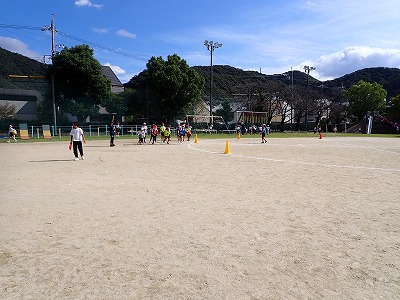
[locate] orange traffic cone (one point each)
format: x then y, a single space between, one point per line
227 150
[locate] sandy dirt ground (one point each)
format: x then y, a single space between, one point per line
298 218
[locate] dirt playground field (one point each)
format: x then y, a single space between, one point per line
296 218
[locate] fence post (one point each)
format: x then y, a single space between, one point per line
33 134
37 131
98 131
59 132
90 130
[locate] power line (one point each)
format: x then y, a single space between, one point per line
116 51
78 39
19 27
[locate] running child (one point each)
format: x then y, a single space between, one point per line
188 132
154 133
141 136
167 134
263 133
162 131
11 134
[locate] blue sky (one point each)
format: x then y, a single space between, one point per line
337 37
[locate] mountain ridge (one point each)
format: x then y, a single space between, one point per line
225 77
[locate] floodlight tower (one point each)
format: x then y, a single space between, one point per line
307 69
210 47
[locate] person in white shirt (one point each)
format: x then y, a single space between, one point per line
144 129
77 137
11 134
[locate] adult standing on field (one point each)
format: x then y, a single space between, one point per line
77 137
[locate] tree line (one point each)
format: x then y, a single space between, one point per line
169 89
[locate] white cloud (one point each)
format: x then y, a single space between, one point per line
125 33
122 75
346 61
352 59
87 3
17 46
116 69
100 30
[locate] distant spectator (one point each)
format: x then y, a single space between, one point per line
112 132
243 128
118 129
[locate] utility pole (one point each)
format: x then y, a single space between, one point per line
210 47
291 105
53 51
307 69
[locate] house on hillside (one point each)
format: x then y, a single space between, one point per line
116 88
116 85
25 102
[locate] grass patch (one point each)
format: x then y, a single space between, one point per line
66 138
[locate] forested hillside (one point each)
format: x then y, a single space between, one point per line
17 64
227 80
389 78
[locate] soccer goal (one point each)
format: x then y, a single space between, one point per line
203 122
251 117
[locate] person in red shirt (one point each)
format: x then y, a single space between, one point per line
154 133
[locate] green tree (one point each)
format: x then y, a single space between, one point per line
365 96
393 109
7 111
79 82
118 103
226 111
172 87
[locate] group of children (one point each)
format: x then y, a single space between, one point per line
182 130
165 131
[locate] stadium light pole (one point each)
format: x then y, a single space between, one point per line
307 69
53 51
211 46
